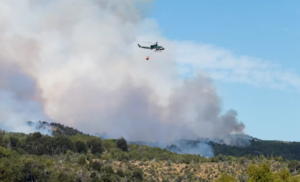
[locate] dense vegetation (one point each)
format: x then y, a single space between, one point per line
288 150
70 155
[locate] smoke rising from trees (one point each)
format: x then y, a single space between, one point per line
77 63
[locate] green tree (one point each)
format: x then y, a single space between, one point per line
96 145
63 143
13 141
32 170
7 153
122 144
81 147
37 135
250 157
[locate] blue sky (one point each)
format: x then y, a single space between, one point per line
267 30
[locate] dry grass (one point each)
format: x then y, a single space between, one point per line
209 171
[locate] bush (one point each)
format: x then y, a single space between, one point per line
261 173
120 173
242 160
179 179
81 160
109 170
138 174
96 165
293 165
62 177
106 178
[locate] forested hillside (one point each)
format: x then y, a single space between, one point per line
72 156
288 150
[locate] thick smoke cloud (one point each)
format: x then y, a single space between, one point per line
77 63
20 95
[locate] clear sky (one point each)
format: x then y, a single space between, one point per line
268 30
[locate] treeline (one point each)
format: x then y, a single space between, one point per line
64 130
289 151
38 144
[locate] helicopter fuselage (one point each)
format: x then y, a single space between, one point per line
155 47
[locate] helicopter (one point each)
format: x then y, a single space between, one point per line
155 46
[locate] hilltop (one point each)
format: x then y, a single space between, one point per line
54 128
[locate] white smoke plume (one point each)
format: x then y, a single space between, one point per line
77 63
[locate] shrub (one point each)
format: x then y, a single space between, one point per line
96 165
138 174
120 173
109 169
81 160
